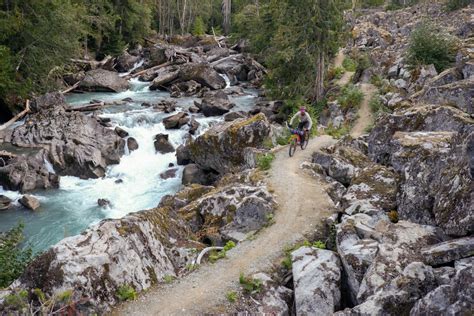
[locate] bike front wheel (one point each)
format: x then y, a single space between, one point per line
292 147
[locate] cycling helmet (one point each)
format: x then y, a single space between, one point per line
302 110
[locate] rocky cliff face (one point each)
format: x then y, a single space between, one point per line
405 191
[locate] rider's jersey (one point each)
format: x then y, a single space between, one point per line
303 118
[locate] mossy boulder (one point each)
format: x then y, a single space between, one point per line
225 147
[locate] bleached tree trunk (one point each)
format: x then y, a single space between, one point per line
226 12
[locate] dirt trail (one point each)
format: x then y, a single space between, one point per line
365 114
303 205
347 76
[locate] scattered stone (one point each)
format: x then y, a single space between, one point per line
168 174
162 144
103 203
232 116
5 203
193 174
176 121
132 144
215 104
193 126
121 132
30 202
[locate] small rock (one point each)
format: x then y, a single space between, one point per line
132 144
171 164
193 126
193 174
129 100
146 105
168 174
193 109
103 202
176 121
121 132
30 202
162 144
119 181
5 203
232 116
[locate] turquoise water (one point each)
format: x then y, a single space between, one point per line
73 207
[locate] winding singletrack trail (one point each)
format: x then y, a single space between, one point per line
365 117
303 207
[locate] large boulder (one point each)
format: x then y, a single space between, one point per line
356 250
232 210
317 281
436 185
399 245
126 62
76 144
275 299
456 297
203 74
193 174
400 295
101 80
27 172
215 104
224 147
374 188
448 251
138 251
427 118
459 94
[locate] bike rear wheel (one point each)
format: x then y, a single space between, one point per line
292 147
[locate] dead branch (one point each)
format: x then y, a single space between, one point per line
144 71
17 117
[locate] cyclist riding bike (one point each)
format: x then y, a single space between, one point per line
305 122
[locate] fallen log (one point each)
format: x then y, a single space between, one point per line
224 59
73 87
144 71
16 117
88 107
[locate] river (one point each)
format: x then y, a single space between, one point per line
132 185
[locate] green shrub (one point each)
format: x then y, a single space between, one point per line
372 3
349 64
377 81
231 297
335 73
430 46
376 105
17 301
264 161
350 97
169 278
338 133
126 292
250 285
452 5
199 27
229 245
13 258
363 62
319 244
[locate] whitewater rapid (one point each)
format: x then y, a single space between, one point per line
132 185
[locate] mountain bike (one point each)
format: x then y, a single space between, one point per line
295 139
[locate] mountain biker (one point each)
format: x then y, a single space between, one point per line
305 121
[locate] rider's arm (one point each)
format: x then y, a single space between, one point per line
293 118
310 120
